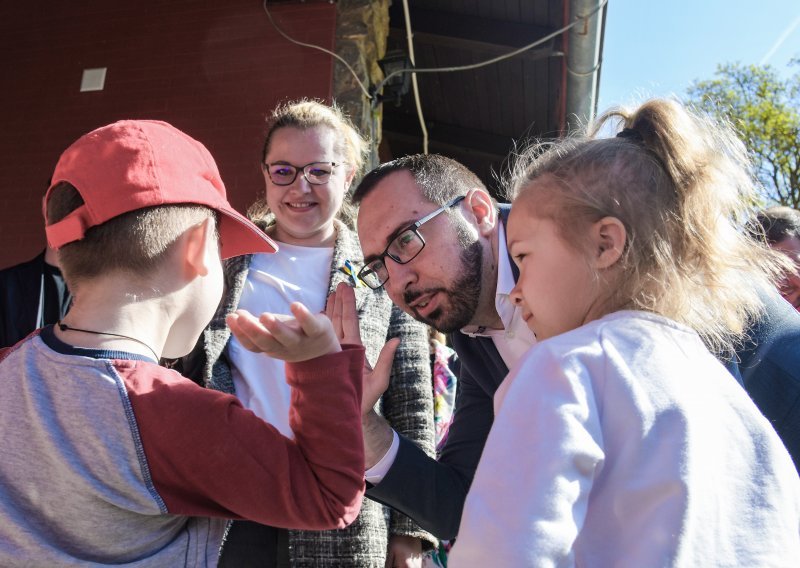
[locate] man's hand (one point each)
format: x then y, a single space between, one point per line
378 436
341 309
404 552
304 336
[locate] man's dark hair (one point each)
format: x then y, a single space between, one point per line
779 223
440 179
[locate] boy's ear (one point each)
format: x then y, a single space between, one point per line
609 236
199 248
482 207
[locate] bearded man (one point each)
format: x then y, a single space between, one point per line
435 239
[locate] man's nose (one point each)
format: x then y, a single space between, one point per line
400 277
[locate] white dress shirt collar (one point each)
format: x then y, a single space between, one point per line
515 338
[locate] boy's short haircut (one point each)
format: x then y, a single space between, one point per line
136 242
120 195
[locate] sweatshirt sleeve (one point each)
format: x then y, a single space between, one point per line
209 456
530 493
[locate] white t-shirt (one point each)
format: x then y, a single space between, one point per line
274 281
626 443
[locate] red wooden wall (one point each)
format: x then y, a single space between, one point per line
212 68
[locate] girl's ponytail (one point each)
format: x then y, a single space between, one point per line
682 186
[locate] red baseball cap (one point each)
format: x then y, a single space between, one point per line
133 164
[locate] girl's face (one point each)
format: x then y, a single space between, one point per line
304 212
557 288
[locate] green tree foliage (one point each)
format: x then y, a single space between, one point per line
765 110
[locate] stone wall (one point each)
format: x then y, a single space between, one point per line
362 27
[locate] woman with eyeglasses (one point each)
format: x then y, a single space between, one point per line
311 156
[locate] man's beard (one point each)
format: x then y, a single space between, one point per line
462 296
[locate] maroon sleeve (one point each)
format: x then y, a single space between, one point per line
209 456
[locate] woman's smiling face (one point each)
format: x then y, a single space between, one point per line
304 212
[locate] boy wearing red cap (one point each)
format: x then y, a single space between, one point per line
109 458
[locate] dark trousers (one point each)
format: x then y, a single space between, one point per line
251 545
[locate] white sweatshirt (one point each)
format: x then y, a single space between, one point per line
626 443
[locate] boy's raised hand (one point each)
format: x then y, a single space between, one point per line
297 338
341 310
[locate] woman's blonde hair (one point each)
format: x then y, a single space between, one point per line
306 114
681 184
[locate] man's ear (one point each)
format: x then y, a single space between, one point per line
608 236
481 205
198 246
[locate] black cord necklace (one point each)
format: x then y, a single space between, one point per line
65 327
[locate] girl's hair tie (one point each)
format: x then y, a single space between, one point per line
630 134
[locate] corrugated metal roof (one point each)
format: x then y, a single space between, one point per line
476 116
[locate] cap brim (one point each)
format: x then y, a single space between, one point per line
239 236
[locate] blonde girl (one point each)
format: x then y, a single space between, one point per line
619 439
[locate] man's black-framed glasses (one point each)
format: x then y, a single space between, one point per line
316 173
403 249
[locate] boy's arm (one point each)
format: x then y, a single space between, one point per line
208 456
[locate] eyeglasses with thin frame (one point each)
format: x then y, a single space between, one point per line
316 173
403 249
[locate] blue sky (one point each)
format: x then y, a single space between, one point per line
658 48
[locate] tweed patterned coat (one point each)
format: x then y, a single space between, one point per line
407 405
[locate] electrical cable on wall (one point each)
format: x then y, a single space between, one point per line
414 85
374 97
497 59
317 47
524 48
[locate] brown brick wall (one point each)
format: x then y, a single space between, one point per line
211 68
